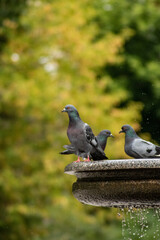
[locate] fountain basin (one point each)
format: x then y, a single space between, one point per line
117 183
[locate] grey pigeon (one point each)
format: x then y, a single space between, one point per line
102 140
80 135
136 147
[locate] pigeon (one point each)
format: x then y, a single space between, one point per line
80 135
136 147
102 140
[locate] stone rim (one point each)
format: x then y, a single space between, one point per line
117 183
118 164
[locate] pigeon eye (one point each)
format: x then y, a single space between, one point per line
68 107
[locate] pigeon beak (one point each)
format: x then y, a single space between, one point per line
121 131
111 135
64 110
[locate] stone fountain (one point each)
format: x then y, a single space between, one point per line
117 183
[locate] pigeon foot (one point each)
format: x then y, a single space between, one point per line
78 160
87 160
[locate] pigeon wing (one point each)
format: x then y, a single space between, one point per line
98 152
143 148
90 136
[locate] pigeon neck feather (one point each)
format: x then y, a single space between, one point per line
73 117
131 134
102 140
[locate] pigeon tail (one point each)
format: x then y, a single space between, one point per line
70 149
157 151
65 152
97 156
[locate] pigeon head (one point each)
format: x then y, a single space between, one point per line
128 130
102 138
106 133
71 110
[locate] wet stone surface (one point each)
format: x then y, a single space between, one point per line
118 183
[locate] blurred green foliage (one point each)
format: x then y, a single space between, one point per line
102 57
139 72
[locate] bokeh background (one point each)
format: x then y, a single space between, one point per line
103 56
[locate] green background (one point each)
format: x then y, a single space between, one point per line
103 57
